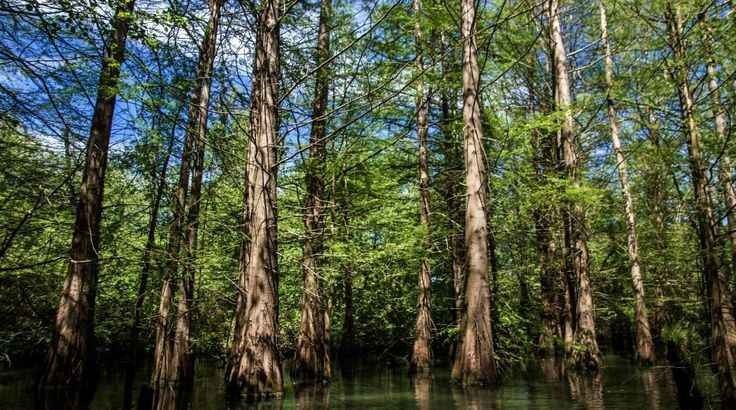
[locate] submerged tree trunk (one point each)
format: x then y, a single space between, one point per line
421 355
723 330
173 361
256 371
644 343
312 351
474 362
582 348
71 354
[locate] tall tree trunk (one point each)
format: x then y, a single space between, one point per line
644 343
723 330
725 170
312 351
566 279
71 354
545 162
474 362
173 361
148 254
198 130
256 372
552 279
163 370
549 283
239 319
453 173
656 193
585 353
421 355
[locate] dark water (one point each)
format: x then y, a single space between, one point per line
621 386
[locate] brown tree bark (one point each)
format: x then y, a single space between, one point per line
474 362
256 370
71 354
239 319
723 329
312 351
173 361
421 355
566 279
725 169
644 343
582 347
198 129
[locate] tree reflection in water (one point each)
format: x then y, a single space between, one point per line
586 389
422 384
474 398
313 396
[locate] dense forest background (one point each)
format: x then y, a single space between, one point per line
375 239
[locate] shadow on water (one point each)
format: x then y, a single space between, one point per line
621 385
683 373
56 398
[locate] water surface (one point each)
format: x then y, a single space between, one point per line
621 386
